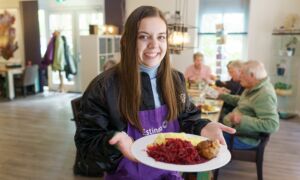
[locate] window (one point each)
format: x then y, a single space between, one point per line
233 14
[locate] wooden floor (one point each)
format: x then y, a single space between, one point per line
36 143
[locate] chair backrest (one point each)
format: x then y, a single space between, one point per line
255 155
251 155
75 103
30 75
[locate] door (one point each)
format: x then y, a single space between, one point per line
70 24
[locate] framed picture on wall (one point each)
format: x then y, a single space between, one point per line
9 34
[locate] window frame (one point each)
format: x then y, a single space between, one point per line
244 38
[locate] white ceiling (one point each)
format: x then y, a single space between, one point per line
69 3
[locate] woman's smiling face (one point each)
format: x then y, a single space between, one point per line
151 41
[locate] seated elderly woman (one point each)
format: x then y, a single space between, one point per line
233 85
198 71
256 109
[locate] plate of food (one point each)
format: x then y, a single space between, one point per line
209 109
180 152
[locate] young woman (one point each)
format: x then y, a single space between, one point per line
141 95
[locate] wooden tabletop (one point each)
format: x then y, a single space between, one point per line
214 116
218 104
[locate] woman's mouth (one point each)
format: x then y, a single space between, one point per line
151 54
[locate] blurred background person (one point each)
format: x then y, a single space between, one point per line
199 71
233 86
109 64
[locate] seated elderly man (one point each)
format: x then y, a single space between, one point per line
256 109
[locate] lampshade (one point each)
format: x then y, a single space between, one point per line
179 36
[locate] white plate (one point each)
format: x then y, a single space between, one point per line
139 148
216 110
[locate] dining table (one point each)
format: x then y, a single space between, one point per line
198 98
214 115
9 78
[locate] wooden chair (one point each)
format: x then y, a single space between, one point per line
255 155
28 78
75 104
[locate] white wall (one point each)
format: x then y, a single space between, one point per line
264 17
288 7
9 4
262 22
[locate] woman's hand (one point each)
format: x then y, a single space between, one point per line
123 143
214 130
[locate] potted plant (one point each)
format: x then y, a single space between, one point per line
291 46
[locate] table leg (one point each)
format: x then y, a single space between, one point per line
10 85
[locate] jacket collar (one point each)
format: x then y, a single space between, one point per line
258 86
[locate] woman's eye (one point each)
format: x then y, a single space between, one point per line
161 37
143 37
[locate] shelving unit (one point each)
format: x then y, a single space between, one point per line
286 57
95 51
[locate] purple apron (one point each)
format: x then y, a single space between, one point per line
153 122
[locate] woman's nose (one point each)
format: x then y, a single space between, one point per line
153 43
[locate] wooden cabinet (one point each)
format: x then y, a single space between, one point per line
95 51
284 74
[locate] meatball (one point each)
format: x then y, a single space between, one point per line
208 149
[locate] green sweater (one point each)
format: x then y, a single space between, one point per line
258 107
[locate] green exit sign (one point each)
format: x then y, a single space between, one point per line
60 1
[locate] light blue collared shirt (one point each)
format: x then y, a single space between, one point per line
152 72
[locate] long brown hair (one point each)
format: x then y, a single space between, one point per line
129 72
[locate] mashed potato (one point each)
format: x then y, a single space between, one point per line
207 107
161 138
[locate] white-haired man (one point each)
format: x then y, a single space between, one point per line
256 109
